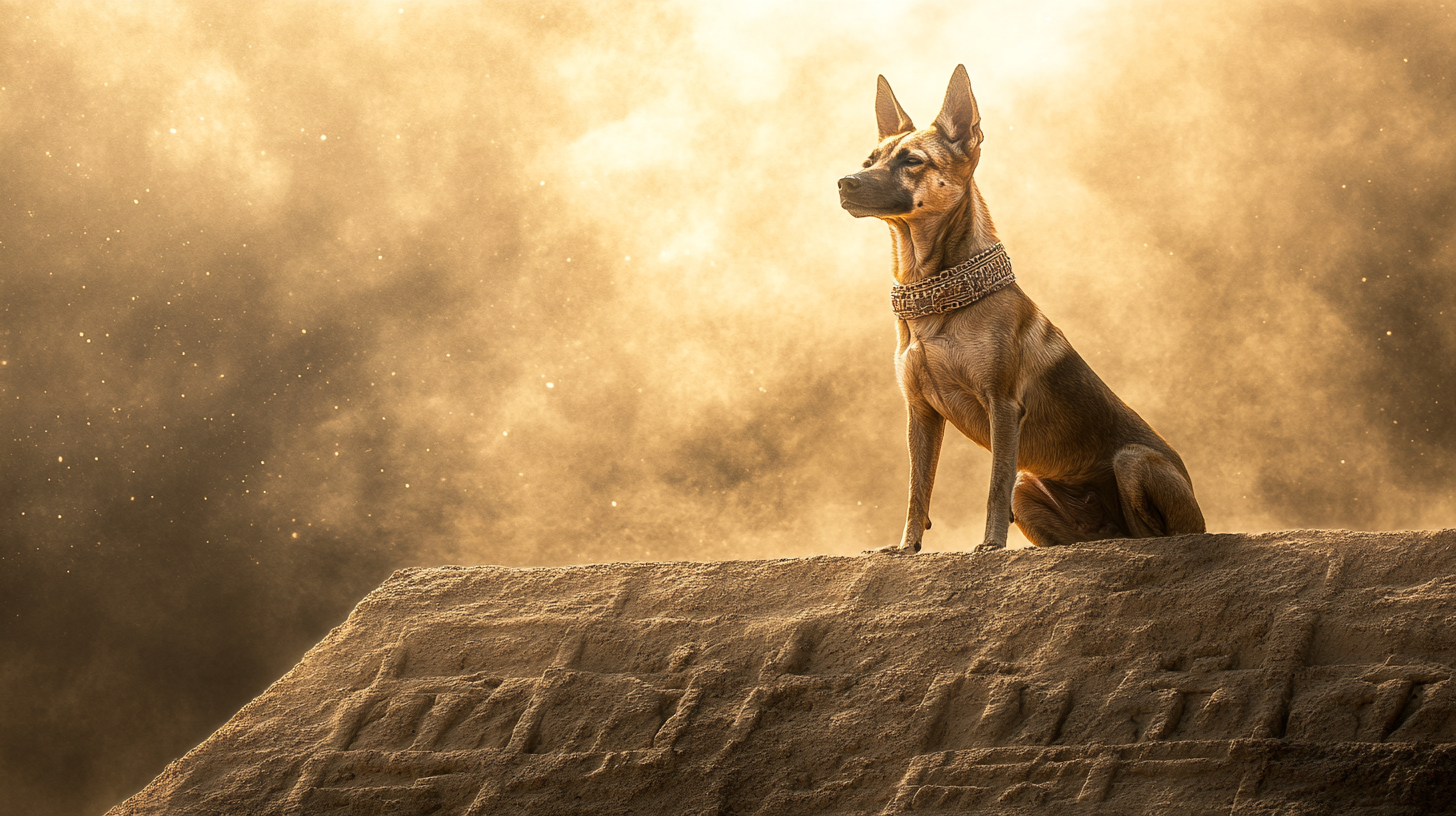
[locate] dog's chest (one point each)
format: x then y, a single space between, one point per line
948 379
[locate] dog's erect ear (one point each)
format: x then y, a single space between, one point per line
959 119
888 112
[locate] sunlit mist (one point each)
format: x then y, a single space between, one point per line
298 294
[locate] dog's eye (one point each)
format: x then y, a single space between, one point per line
911 161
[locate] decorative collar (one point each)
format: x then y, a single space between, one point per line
955 288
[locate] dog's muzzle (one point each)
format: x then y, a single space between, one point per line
863 196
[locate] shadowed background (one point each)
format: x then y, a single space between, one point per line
295 295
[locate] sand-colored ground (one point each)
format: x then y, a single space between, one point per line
1291 673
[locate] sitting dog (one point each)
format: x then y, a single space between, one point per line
1069 460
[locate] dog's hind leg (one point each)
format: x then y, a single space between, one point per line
1050 515
1157 498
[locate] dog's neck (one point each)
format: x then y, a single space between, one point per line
927 245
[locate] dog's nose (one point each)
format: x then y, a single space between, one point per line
848 183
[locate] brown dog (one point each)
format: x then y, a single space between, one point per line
976 351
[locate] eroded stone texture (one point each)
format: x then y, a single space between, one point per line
1303 672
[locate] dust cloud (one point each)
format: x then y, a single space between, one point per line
295 295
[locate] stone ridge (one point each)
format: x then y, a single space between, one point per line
1297 672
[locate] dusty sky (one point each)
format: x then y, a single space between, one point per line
292 295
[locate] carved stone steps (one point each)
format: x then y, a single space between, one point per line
1285 672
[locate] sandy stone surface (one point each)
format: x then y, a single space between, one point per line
1290 673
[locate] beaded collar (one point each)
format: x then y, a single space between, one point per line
955 288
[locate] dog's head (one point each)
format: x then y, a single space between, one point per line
917 173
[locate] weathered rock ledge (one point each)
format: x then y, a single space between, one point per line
1296 672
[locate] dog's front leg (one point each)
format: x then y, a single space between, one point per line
1005 416
926 431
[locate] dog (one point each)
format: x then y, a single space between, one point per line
1070 461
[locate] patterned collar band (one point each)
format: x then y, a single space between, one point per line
955 288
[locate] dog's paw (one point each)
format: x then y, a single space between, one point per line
894 549
990 546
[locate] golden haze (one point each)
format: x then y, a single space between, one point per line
296 294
